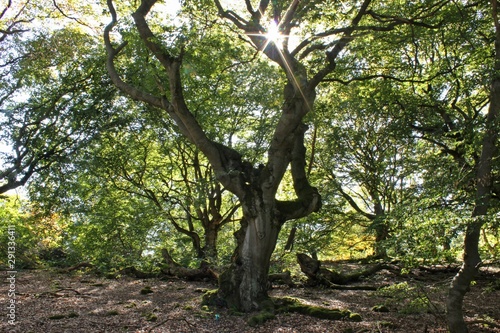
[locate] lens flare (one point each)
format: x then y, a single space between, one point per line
273 33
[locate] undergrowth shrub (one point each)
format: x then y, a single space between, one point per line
407 299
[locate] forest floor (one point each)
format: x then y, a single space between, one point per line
51 302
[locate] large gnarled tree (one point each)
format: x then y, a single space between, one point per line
244 284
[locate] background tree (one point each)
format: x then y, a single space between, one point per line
364 158
39 237
146 162
448 110
483 192
45 87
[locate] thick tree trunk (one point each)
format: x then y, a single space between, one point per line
244 284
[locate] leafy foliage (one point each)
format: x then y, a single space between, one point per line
408 299
36 238
393 142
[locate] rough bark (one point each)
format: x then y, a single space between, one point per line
210 248
213 219
471 258
244 285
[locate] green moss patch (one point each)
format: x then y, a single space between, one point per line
72 315
387 324
112 313
271 307
289 304
380 308
355 317
149 316
209 296
319 312
57 317
130 305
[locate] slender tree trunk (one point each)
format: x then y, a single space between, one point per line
461 282
381 230
471 261
381 233
210 247
291 239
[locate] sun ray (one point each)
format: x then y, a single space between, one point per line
274 36
295 81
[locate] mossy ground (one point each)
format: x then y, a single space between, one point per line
176 305
274 306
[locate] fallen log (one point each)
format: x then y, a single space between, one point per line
331 278
282 278
134 272
77 266
204 272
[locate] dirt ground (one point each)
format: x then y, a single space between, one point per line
47 301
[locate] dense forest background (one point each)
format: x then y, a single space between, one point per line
386 113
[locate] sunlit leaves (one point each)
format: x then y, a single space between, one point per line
33 235
61 98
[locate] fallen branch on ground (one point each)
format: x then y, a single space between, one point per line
333 279
202 273
484 322
284 278
77 266
56 293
